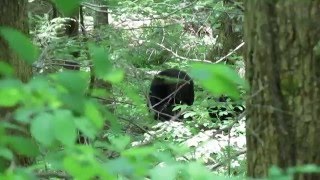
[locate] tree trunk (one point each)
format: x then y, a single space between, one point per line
228 36
14 14
283 69
101 19
72 29
101 16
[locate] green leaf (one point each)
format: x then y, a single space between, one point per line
23 145
81 164
119 166
25 114
93 113
165 172
10 93
308 168
86 127
6 153
79 168
276 173
139 152
8 125
64 127
74 82
102 66
101 60
197 171
114 122
189 114
68 7
20 44
74 102
42 129
119 143
18 174
6 69
114 76
218 79
134 95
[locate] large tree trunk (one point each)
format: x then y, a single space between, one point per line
283 68
13 13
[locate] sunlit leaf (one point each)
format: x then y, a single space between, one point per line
10 93
6 69
18 174
189 114
218 79
141 151
114 76
20 44
78 167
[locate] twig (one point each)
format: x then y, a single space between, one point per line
231 52
204 60
217 165
181 57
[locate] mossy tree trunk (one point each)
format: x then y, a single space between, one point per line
283 69
13 13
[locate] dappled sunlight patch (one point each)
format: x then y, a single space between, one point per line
206 146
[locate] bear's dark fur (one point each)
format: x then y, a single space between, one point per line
168 88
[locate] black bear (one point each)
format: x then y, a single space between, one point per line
225 109
168 88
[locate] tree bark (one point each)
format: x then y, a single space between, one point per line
282 66
13 13
101 19
101 16
228 36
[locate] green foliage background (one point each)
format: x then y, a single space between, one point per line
125 142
